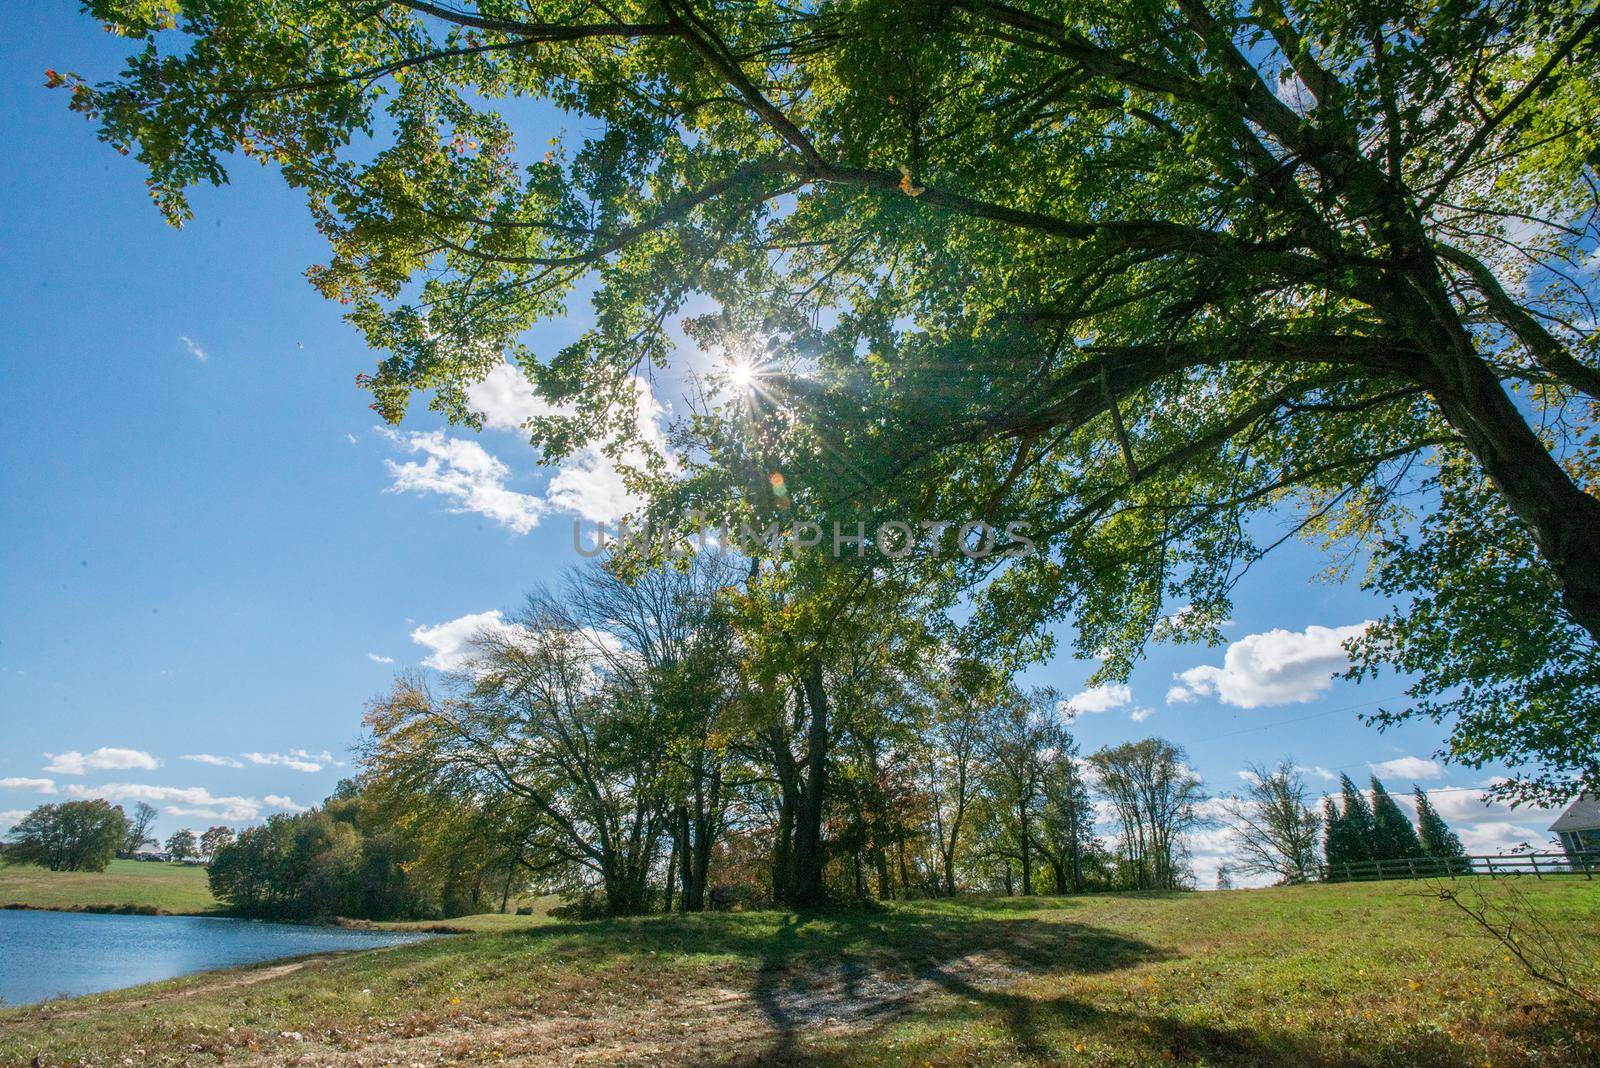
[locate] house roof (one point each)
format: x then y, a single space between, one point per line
1582 815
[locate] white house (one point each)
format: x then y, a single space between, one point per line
1579 826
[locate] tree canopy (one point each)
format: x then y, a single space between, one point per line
1122 273
71 836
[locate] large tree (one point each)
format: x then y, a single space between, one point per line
1156 798
71 836
540 720
1024 737
1123 272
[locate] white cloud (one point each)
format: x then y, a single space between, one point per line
1140 714
376 659
1320 772
73 762
464 472
589 484
294 760
506 399
1407 767
1276 667
180 800
11 817
1101 698
194 349
281 802
212 759
451 642
38 786
1485 826
351 438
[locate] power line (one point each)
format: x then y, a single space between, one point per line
1286 722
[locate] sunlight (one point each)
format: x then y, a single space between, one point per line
742 374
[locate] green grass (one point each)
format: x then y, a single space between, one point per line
1356 974
143 885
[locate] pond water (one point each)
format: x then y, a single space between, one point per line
50 954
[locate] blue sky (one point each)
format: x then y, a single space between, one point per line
208 546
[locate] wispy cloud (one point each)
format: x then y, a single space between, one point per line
464 472
194 349
105 758
279 801
294 760
588 484
1101 698
38 786
212 759
376 659
179 800
451 641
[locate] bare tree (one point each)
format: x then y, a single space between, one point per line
1275 830
139 824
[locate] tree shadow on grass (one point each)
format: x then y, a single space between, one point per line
824 983
800 991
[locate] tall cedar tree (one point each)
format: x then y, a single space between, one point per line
1438 840
1335 839
1359 828
1393 836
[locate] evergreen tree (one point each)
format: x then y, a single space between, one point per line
1333 837
1359 828
1393 837
1348 839
1438 840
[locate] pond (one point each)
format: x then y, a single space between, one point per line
50 954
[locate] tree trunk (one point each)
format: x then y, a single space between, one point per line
672 871
808 846
1024 844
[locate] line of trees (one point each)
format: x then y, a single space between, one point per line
1276 831
659 739
1361 829
88 835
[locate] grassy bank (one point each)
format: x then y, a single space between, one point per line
1352 974
135 885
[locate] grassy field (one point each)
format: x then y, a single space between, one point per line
175 888
1379 974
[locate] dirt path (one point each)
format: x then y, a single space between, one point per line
686 1023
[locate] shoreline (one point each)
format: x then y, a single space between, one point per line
106 910
343 923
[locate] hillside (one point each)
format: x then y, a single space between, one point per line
139 885
1350 974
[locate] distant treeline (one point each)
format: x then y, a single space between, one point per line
354 858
